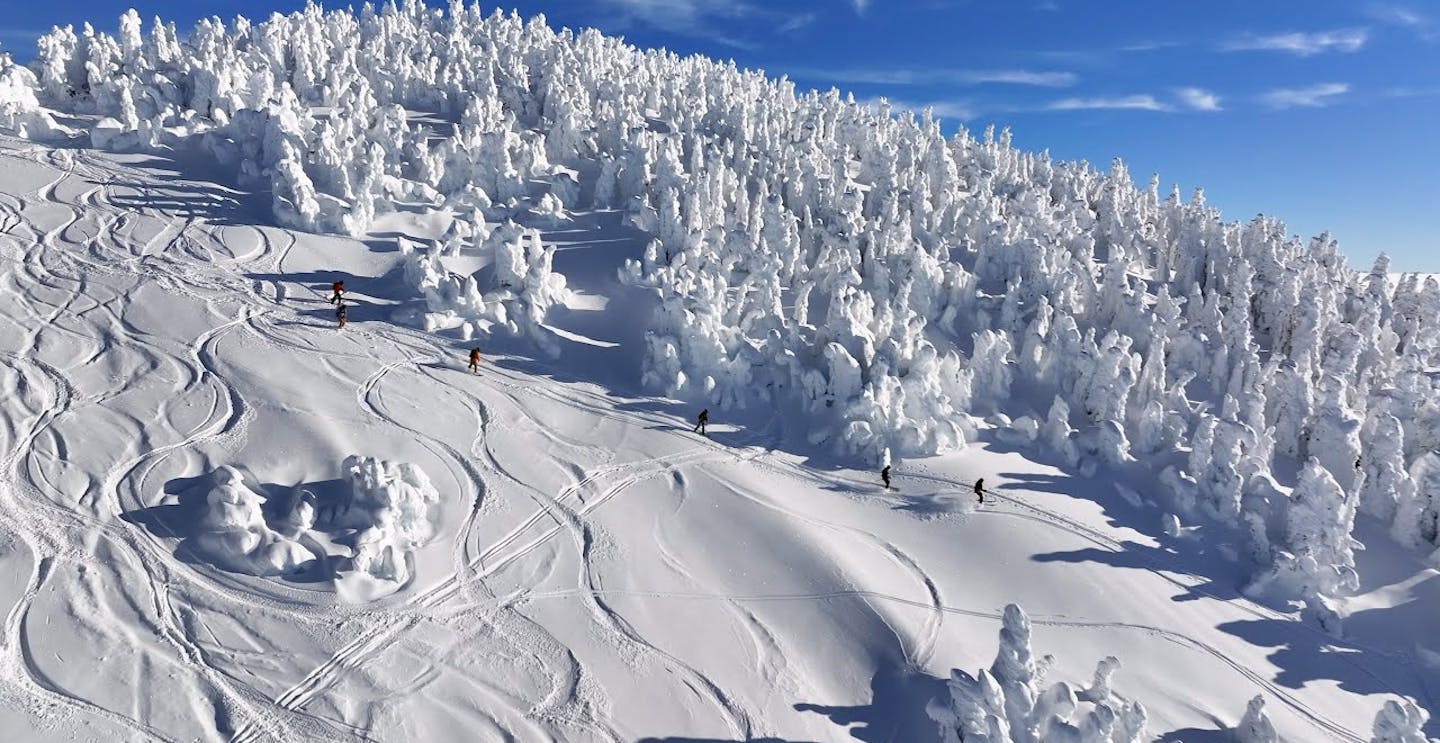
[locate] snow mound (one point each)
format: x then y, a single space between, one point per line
361 533
397 502
234 534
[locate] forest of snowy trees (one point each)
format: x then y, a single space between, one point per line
899 288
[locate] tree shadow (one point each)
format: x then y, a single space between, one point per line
1217 565
719 740
896 710
1197 735
1373 657
1303 657
195 189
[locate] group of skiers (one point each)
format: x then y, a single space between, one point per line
704 417
979 484
337 297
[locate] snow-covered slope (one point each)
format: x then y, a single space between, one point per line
225 518
598 572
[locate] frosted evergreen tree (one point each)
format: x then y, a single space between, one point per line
1318 522
1334 429
1416 510
1385 481
1255 726
1400 722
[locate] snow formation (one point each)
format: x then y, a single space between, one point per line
396 503
1010 703
234 534
388 507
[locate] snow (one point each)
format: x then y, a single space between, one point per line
223 518
233 533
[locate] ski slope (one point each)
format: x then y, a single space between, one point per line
599 572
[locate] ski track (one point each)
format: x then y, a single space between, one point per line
112 253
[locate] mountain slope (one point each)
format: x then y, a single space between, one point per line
600 572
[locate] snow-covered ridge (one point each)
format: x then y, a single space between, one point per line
837 260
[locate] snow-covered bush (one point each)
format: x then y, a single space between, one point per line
1009 703
525 287
20 110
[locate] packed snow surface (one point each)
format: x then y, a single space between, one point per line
1208 448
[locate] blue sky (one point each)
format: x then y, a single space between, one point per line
1320 112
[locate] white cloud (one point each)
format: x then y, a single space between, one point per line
1042 78
1198 99
1315 96
1151 46
1396 15
795 23
931 76
1301 43
860 5
1127 102
1406 92
706 18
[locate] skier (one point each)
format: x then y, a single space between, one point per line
885 476
980 489
340 314
700 421
475 360
336 289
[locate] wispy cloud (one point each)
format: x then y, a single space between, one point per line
1151 45
931 76
1397 15
860 5
1403 17
1138 102
1044 79
1314 96
1407 92
1300 43
709 19
795 23
1198 99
